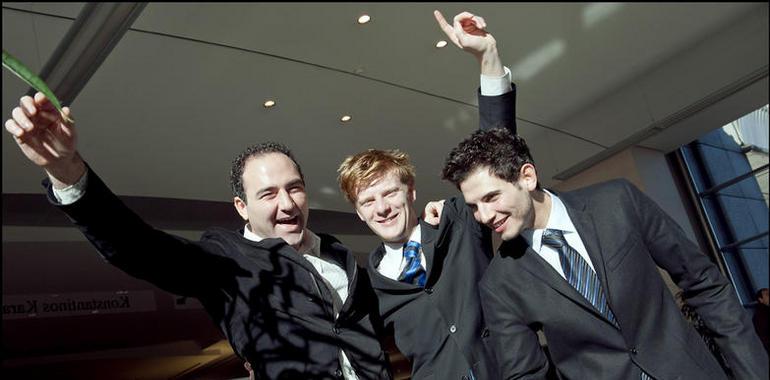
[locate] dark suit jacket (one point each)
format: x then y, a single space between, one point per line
626 235
440 328
761 320
270 302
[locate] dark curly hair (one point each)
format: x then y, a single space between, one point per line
236 172
498 149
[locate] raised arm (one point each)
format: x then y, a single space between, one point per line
497 95
170 262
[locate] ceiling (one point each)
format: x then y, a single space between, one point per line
181 94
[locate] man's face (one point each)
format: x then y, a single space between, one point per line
506 208
765 297
276 205
387 207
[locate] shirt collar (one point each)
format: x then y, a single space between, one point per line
558 219
314 249
398 247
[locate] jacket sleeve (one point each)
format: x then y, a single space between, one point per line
498 111
516 346
703 287
172 263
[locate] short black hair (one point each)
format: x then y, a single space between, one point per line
498 149
236 172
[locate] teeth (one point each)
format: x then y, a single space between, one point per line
387 219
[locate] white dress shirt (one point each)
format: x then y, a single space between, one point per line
393 261
557 220
332 275
494 86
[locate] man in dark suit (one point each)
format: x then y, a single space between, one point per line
292 303
425 276
581 267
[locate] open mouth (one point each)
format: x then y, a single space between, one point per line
291 221
499 225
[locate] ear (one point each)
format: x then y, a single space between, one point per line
528 177
240 206
413 194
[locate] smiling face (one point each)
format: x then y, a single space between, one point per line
387 207
505 207
275 204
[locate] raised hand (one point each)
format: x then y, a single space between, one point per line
467 32
45 139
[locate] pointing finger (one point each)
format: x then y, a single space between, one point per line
446 28
441 21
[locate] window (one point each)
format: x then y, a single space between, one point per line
729 171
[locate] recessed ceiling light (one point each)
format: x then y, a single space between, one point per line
269 103
345 118
364 19
440 44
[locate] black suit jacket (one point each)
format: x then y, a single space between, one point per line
440 328
626 235
269 301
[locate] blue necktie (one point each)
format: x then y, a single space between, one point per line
413 272
578 273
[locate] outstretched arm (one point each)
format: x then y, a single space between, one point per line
497 95
117 232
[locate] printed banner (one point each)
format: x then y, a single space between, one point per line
73 304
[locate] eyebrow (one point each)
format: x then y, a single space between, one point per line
295 182
490 194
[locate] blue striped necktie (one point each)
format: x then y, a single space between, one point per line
578 273
413 272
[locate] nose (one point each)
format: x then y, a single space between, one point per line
285 202
381 207
485 215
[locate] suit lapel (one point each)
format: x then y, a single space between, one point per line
379 281
538 267
584 224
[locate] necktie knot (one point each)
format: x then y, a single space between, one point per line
411 249
553 238
413 272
